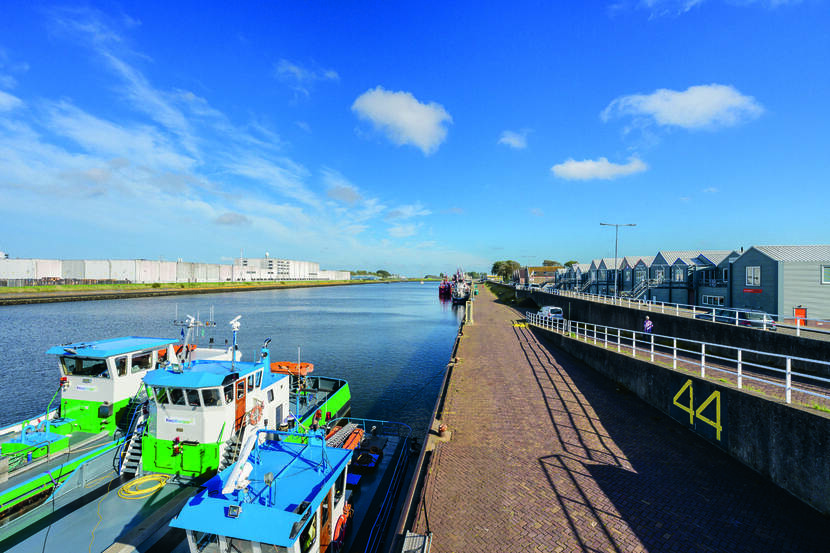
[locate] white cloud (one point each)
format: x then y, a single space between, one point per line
408 211
698 107
339 188
403 118
301 78
660 8
597 169
516 140
232 219
9 102
537 212
402 231
710 190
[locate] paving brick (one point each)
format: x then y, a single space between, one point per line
547 455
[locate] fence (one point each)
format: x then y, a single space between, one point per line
743 364
739 317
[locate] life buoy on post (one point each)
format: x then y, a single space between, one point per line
340 530
256 414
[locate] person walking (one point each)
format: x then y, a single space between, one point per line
648 326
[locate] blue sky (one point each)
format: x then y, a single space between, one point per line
412 136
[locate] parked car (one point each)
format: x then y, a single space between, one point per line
550 312
748 317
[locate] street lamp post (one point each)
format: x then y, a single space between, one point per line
616 242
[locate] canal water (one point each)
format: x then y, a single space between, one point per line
390 341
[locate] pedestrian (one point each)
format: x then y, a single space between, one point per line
648 326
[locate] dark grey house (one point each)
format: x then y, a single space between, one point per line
785 280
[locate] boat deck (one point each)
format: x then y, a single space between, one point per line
101 518
80 443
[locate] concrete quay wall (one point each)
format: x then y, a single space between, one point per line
686 327
785 444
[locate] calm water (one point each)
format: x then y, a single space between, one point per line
390 341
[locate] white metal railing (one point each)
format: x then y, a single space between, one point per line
715 358
718 314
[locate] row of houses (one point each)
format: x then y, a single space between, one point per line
16 272
788 281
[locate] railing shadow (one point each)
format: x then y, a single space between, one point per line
627 478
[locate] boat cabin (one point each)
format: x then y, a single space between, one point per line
200 412
98 378
285 497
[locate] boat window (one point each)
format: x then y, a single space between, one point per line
309 536
161 394
211 397
341 486
176 396
240 389
121 366
251 383
78 366
142 362
270 396
229 394
258 378
193 398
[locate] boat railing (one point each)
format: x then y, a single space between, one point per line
92 469
22 458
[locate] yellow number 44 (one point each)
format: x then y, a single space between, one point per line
715 396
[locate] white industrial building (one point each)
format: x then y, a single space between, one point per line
17 272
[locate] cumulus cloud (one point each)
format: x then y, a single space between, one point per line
403 118
516 140
9 102
660 8
698 107
601 168
710 190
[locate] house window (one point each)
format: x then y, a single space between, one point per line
639 275
659 274
825 274
753 276
678 275
628 275
712 300
602 275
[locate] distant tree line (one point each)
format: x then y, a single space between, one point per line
379 273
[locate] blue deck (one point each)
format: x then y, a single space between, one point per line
101 349
299 475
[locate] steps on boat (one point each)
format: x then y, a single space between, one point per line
131 463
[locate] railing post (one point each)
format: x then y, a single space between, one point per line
702 360
595 334
789 379
662 307
740 369
674 353
677 310
633 343
652 348
605 337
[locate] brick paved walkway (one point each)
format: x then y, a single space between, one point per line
547 455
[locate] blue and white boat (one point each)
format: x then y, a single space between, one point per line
300 493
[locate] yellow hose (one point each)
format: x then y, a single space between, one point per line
132 489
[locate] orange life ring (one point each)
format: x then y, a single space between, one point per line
256 414
340 529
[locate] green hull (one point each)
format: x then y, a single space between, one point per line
46 481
